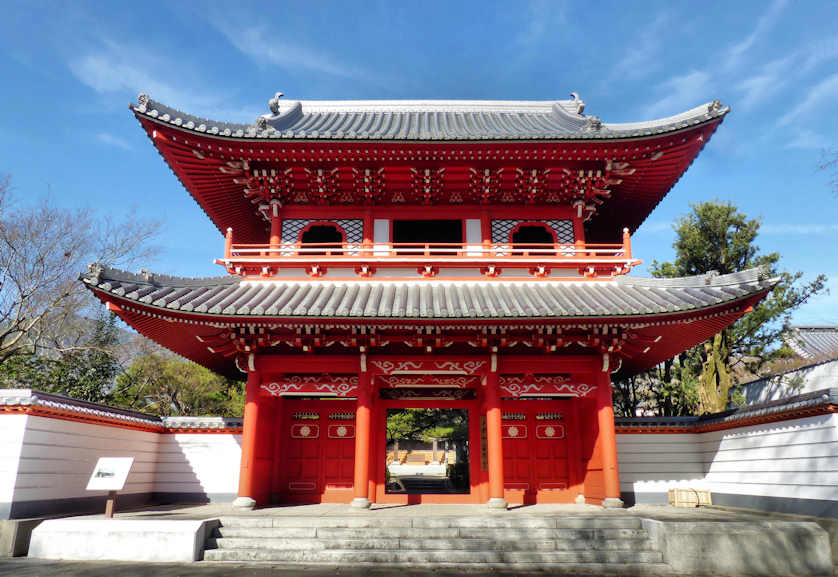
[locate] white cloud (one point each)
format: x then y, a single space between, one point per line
680 93
643 54
825 91
543 17
798 229
119 68
807 139
259 44
734 56
771 78
112 140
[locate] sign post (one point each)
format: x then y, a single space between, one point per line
110 475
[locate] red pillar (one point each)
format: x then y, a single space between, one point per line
247 498
608 441
276 227
494 438
363 418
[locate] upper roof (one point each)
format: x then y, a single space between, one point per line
428 120
814 342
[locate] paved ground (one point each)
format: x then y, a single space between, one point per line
40 568
215 510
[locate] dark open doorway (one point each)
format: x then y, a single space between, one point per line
439 232
532 234
326 236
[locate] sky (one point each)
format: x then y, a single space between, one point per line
68 71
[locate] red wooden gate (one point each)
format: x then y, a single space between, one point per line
540 452
318 451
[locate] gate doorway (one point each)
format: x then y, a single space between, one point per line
454 477
427 451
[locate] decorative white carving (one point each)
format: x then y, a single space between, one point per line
544 385
515 432
555 432
305 431
341 385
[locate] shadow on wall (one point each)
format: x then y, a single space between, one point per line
197 468
784 467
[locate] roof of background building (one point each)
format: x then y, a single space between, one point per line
814 342
428 120
232 296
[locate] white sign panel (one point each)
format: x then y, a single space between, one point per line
110 474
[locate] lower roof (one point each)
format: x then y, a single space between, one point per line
197 318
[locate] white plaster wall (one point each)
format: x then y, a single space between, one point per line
653 463
12 428
795 459
198 463
57 458
814 378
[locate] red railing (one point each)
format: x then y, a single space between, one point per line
593 258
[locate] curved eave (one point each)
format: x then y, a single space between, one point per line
200 162
668 332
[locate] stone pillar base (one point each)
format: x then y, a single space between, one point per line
497 503
612 503
360 503
244 503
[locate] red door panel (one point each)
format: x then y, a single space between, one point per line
317 461
536 452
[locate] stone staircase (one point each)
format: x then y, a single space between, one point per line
562 545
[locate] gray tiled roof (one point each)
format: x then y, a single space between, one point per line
428 120
814 342
799 402
428 299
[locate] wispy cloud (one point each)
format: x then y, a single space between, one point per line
115 141
680 93
264 46
112 68
771 78
798 229
808 140
643 56
543 17
824 91
657 226
736 53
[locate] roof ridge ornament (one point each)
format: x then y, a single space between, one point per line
580 104
273 103
593 123
714 107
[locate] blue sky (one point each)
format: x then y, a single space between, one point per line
69 71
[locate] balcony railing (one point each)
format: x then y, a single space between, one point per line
428 258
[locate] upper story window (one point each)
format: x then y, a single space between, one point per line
427 232
534 238
327 237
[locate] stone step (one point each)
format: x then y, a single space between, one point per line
563 534
493 521
409 557
393 532
415 543
490 521
271 532
353 522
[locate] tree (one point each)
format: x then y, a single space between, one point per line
160 383
83 373
829 163
717 237
43 248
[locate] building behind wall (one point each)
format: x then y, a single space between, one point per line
468 255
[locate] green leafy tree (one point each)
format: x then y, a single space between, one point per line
159 383
86 373
715 236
